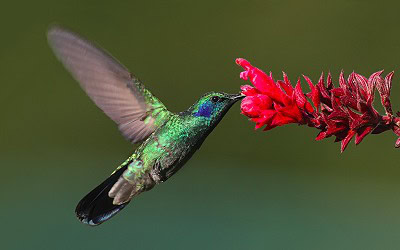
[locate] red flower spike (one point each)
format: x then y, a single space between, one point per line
344 112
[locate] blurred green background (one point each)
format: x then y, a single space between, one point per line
243 189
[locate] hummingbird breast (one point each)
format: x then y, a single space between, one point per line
170 147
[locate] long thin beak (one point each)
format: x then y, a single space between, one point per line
236 97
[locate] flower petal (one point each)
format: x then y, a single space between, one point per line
362 133
347 139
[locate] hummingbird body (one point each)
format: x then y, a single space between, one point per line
169 139
171 145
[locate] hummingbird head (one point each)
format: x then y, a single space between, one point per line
212 106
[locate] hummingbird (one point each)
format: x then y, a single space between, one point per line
168 140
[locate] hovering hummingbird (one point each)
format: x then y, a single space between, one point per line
168 139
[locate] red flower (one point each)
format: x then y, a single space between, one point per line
344 112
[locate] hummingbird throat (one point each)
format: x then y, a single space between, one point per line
205 110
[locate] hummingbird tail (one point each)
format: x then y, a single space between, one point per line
97 207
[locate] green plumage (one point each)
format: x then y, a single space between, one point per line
169 139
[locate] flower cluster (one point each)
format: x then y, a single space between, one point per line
345 111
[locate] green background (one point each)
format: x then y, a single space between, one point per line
244 189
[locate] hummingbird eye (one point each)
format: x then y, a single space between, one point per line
215 99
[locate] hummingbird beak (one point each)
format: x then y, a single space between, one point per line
236 97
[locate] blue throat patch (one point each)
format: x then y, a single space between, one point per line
205 110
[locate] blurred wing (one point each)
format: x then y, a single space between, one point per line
109 84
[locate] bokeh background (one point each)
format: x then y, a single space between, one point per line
244 189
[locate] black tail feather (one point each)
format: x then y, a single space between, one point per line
97 207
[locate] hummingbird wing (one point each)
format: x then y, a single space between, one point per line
109 84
